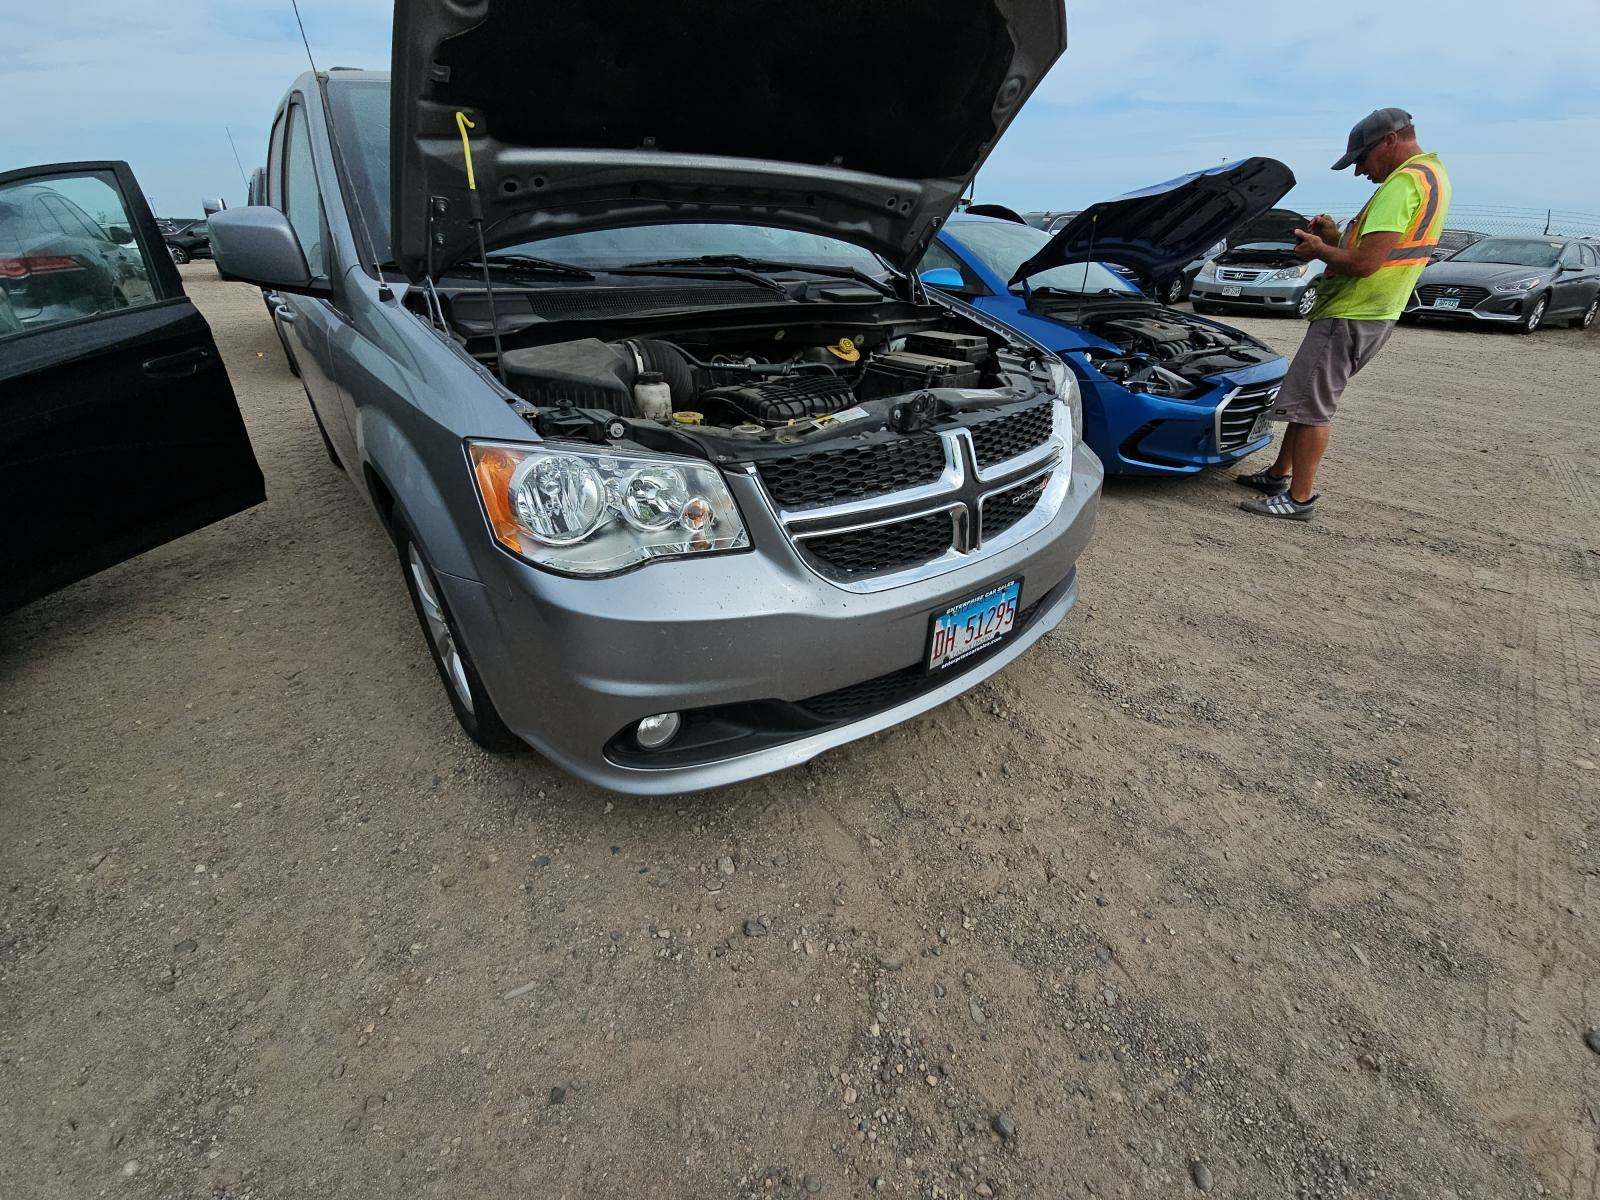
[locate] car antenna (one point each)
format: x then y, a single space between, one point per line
236 162
384 291
464 123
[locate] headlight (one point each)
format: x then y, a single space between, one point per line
1065 384
1521 285
1291 272
1208 269
592 512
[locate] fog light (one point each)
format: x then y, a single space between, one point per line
652 733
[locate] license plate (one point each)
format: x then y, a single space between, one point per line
1262 425
1235 290
973 624
1447 302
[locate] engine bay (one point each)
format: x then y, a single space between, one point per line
1161 351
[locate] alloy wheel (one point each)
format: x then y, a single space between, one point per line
439 635
1307 301
1589 313
1175 290
1535 316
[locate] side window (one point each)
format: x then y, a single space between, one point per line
273 193
302 205
58 262
1591 256
1572 256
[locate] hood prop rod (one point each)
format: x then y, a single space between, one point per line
464 123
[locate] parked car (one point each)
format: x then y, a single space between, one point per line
1452 240
173 224
708 483
118 427
192 240
1044 218
1258 270
1525 282
1164 392
58 262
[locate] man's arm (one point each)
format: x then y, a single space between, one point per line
1368 254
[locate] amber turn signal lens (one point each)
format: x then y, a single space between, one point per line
492 466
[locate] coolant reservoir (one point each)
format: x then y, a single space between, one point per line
652 397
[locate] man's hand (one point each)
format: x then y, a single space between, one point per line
1308 246
1326 228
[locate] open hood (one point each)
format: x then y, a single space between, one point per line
861 121
1274 225
1160 229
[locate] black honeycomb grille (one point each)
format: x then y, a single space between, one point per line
1000 438
1003 511
882 547
853 472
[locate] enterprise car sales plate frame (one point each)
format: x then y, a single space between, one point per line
973 624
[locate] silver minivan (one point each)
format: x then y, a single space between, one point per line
689 477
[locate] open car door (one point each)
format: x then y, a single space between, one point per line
118 427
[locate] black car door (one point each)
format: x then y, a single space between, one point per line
118 427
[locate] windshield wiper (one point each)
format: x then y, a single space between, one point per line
744 262
527 264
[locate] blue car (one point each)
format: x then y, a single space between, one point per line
1164 392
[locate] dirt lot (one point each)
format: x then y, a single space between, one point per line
1272 871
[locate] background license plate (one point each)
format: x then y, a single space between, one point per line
973 624
1447 302
1232 291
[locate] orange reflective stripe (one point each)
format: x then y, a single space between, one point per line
1428 181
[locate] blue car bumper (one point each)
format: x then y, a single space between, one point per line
1138 434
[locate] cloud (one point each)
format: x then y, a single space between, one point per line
1508 94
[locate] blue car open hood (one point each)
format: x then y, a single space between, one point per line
1158 230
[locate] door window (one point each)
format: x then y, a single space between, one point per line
1591 257
67 253
272 188
302 203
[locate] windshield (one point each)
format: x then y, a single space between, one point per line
1516 252
361 113
653 243
1003 247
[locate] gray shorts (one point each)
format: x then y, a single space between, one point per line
1334 349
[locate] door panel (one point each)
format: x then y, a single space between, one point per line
118 427
307 324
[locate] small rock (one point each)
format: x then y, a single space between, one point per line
558 1095
131 1167
849 1095
754 928
1201 1174
1591 1039
1109 995
976 1012
984 1190
1004 1125
725 867
542 860
187 946
812 1184
352 1124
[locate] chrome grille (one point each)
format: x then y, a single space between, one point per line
854 472
1239 275
1237 414
888 547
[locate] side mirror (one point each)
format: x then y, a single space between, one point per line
120 234
946 279
258 245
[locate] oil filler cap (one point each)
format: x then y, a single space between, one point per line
845 350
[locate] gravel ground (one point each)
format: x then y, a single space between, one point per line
1270 873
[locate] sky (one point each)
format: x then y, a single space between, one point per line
1508 94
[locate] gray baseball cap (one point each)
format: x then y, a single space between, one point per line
1371 130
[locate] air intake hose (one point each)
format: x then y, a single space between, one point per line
651 354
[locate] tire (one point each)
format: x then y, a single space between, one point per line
1534 317
1305 301
1172 291
1586 319
475 712
179 254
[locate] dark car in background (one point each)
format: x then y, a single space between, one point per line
58 262
1524 282
190 240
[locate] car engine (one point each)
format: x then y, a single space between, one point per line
1166 353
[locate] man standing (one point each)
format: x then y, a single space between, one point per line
1371 272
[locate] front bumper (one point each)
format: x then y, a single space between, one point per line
1281 296
1506 307
1135 433
571 664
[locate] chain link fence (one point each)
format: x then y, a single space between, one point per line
1493 220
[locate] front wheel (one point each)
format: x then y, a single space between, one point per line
1306 301
474 710
1534 316
179 254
